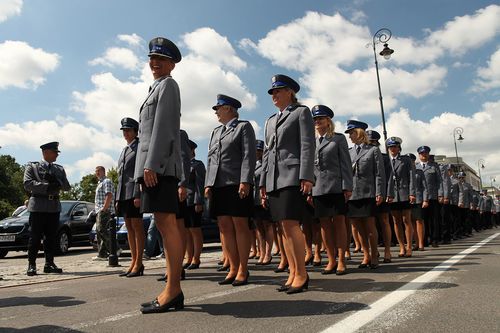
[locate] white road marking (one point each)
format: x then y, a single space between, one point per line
363 317
192 300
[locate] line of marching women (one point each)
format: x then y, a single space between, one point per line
300 185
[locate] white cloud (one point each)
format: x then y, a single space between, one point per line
210 45
480 134
489 76
23 66
10 8
132 40
117 56
71 135
87 165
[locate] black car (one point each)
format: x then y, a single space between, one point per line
75 224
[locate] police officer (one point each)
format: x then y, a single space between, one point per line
401 193
128 197
228 184
485 208
195 202
421 201
432 175
383 210
446 210
44 180
465 205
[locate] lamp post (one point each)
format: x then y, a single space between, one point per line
457 131
382 36
492 180
480 165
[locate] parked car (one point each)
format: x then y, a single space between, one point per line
209 229
75 224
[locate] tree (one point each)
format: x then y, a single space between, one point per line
12 192
85 189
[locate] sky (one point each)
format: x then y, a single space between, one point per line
70 70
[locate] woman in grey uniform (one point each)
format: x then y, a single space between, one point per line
368 190
401 193
228 184
333 187
421 201
288 173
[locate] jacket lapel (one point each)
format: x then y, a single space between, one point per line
362 152
151 92
326 141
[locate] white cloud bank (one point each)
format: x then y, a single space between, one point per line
24 66
9 8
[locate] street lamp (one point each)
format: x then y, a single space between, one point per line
382 36
492 180
480 165
457 131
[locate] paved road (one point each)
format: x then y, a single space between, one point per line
454 288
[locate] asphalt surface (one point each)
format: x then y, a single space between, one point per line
428 292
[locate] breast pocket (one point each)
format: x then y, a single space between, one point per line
149 109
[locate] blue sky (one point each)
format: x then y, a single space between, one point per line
70 70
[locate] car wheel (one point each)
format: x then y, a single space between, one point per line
62 242
3 253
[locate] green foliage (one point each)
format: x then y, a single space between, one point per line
113 175
12 192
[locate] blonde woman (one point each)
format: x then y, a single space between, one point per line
369 190
333 187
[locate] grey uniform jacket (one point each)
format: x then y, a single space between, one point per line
454 191
485 203
332 166
36 183
289 149
433 178
127 188
196 183
446 181
159 131
421 191
258 174
401 179
475 200
185 158
231 155
368 173
465 196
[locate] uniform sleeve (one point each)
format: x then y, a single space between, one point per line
31 183
185 158
200 182
413 178
65 186
248 158
265 154
209 164
307 145
380 182
425 196
345 164
440 182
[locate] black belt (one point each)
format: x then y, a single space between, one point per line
50 197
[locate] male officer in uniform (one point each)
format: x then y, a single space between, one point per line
44 180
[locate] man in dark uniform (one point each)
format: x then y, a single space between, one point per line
44 180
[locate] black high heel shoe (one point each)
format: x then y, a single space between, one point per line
265 263
281 269
284 287
317 263
163 278
222 268
295 290
227 281
125 273
149 303
193 266
177 303
186 265
237 283
140 272
309 261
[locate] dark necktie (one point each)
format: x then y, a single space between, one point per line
320 139
393 162
358 149
423 165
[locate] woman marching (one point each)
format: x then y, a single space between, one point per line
228 184
369 190
401 193
333 187
288 173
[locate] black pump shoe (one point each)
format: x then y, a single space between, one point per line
140 272
222 268
177 303
124 273
284 287
193 266
237 283
281 269
227 281
295 290
31 270
163 278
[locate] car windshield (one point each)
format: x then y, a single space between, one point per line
23 213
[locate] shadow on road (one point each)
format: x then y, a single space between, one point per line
52 301
272 309
37 329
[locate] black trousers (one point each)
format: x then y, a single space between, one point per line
432 218
42 224
446 222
